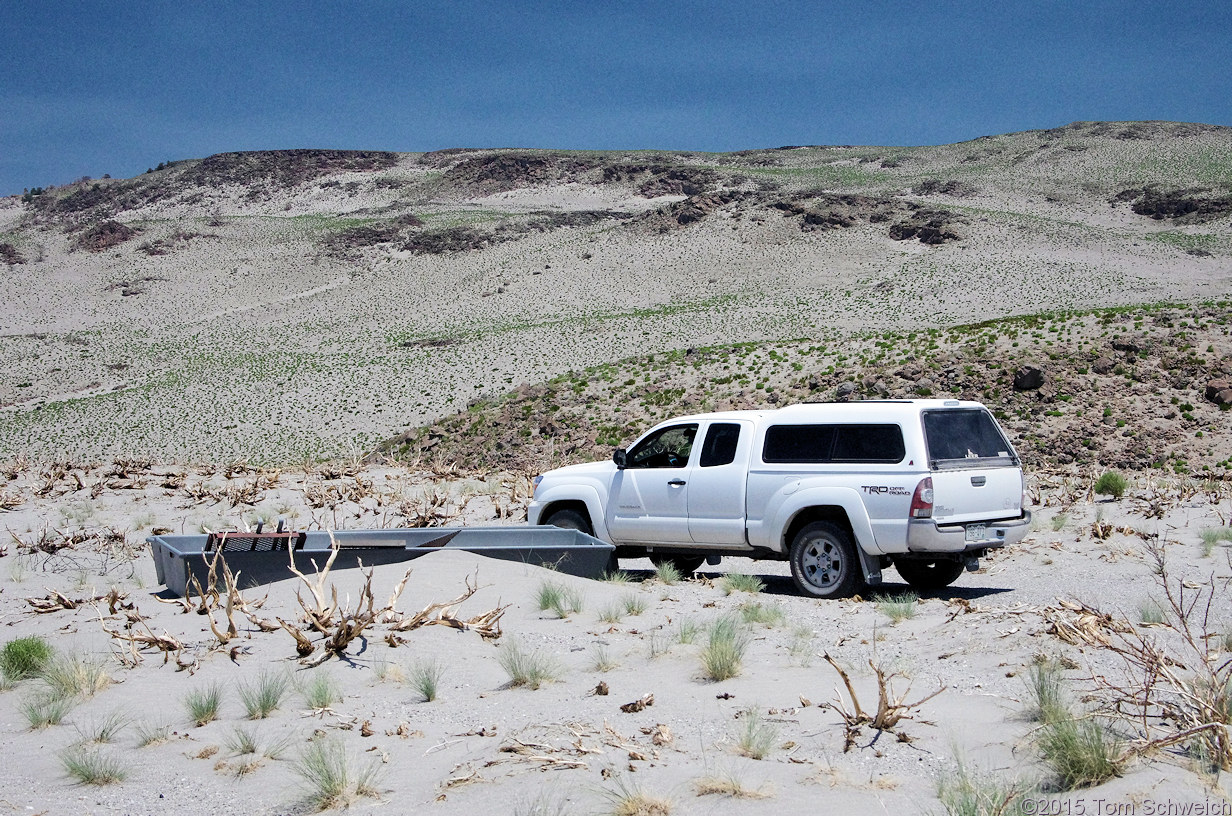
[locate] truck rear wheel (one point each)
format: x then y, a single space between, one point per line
824 562
686 565
928 575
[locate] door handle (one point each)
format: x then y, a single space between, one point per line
677 483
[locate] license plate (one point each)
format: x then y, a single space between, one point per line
976 532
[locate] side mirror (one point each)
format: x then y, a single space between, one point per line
618 456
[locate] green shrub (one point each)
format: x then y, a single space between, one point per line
24 657
1080 752
1111 484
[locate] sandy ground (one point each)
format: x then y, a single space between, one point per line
484 745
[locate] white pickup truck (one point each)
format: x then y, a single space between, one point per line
841 490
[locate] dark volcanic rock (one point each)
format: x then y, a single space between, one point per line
953 188
105 235
1028 378
283 168
10 255
1219 392
929 226
1103 365
1191 205
692 209
499 172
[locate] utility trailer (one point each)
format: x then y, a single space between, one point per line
261 558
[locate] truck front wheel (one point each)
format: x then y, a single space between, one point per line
570 519
928 575
824 563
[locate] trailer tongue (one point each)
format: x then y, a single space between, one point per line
263 557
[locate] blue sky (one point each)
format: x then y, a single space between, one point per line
88 88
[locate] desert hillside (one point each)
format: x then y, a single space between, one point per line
286 305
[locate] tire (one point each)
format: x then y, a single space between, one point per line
824 562
686 565
929 575
570 519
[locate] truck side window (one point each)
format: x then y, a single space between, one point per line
798 443
812 444
869 443
720 445
668 448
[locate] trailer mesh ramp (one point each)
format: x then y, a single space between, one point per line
254 542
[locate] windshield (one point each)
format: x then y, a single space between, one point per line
964 437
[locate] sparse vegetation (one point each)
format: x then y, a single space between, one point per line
603 660
148 735
1211 538
559 598
769 615
331 778
727 783
263 695
531 669
104 730
42 710
1045 684
426 676
203 704
321 690
628 799
667 573
723 655
897 608
75 676
633 604
755 736
740 582
92 766
966 793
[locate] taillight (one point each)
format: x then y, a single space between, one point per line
922 499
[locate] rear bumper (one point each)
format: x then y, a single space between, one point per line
925 535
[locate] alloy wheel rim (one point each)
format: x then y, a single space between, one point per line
822 564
